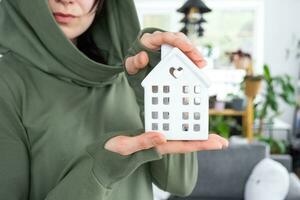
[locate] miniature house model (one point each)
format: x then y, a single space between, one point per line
176 98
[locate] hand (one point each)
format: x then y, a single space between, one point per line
126 145
154 40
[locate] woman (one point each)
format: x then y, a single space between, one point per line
70 124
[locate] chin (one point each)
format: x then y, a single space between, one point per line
71 34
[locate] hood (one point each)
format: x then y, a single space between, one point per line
29 29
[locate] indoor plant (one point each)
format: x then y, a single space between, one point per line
223 125
276 87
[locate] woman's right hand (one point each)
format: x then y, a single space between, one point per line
126 145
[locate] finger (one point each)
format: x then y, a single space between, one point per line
152 40
147 141
214 142
134 63
210 144
222 140
125 145
201 63
180 34
179 40
156 39
187 146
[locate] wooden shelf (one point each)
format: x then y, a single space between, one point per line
226 112
235 113
247 117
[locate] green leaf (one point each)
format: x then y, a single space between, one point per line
291 87
278 146
267 74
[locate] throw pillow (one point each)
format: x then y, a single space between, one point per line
294 190
268 180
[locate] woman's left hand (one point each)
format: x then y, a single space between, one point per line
127 145
154 41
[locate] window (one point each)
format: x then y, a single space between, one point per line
232 24
155 126
154 115
166 100
166 89
196 115
166 115
185 127
154 89
196 127
154 100
197 89
185 89
165 127
185 101
185 115
240 28
197 100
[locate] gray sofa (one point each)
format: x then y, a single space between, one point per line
223 174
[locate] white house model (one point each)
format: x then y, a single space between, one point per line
176 98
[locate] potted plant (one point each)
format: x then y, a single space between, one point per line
223 125
276 146
276 87
236 101
251 83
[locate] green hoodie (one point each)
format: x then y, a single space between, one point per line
58 108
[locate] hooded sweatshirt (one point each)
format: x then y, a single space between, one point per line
58 108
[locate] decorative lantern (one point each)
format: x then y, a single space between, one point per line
193 19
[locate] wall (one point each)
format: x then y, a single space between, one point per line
281 23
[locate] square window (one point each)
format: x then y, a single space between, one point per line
154 89
197 100
166 115
185 89
165 127
185 101
154 100
154 126
197 127
185 115
166 89
154 115
196 115
197 89
185 127
166 100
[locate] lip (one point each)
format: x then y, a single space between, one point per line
63 17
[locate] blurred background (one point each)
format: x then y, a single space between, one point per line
253 53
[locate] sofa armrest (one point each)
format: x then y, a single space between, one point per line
285 160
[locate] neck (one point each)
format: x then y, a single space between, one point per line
74 41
